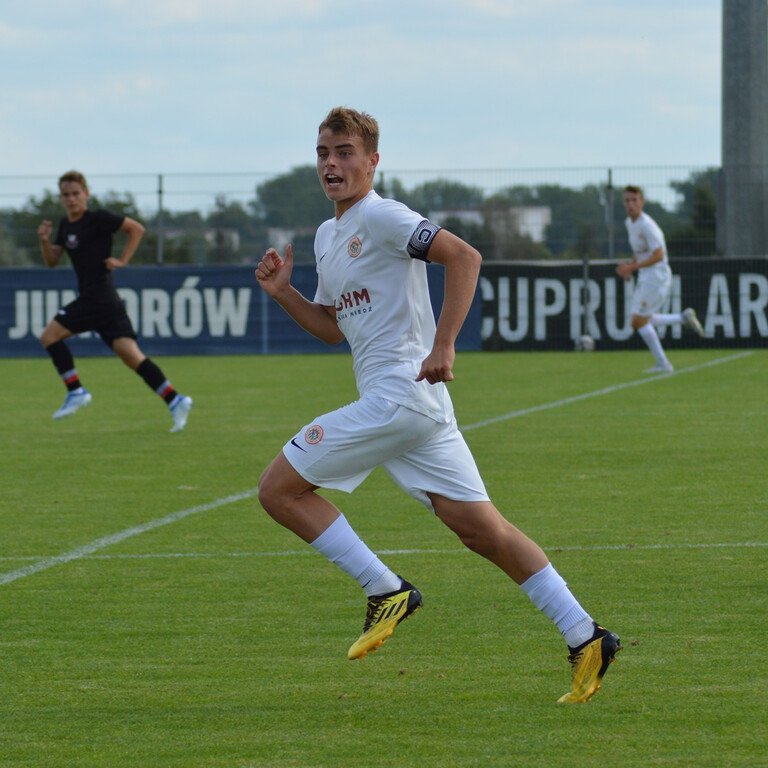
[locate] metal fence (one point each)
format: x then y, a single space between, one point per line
508 214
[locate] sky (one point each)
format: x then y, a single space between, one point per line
180 86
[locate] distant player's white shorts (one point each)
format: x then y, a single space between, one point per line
650 294
341 448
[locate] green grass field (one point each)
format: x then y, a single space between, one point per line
152 615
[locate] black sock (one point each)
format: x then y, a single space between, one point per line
156 380
65 364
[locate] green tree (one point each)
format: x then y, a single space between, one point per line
695 233
393 189
184 240
240 236
444 195
293 200
469 231
503 239
578 220
22 224
10 254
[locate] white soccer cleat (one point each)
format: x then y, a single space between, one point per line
73 402
666 368
180 412
691 321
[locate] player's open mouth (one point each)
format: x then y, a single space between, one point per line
333 181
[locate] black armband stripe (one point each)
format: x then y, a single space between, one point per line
421 240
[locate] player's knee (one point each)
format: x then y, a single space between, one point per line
478 542
128 352
48 337
269 493
264 491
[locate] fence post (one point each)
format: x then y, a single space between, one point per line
584 290
160 233
609 215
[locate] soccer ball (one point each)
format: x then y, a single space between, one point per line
585 343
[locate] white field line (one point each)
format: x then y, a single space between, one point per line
107 541
605 391
387 552
127 533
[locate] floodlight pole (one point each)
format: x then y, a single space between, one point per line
742 210
160 237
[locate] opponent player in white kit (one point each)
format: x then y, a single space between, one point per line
372 290
654 279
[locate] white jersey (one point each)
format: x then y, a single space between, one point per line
645 236
381 297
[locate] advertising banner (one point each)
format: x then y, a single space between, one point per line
550 305
201 310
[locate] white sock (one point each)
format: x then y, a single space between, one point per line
651 338
666 319
377 579
342 546
550 594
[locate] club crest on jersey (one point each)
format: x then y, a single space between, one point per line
355 247
314 434
72 241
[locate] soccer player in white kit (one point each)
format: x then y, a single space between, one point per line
654 279
372 290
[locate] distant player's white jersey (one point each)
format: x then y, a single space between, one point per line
645 236
369 269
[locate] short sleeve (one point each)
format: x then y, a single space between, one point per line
108 220
392 225
653 240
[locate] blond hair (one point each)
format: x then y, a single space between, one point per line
353 123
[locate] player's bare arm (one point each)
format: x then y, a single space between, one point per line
135 232
462 268
51 253
626 269
274 276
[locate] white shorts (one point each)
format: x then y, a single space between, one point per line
341 448
650 294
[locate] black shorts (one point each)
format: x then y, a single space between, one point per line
108 318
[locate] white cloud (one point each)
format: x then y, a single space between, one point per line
510 9
198 85
89 94
240 13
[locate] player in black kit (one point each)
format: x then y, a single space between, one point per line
87 237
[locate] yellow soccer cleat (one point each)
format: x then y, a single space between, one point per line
589 661
383 613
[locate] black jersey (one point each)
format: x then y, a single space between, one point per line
88 241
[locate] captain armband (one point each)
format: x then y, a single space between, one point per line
421 240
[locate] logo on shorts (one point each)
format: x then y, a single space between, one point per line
314 434
355 247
